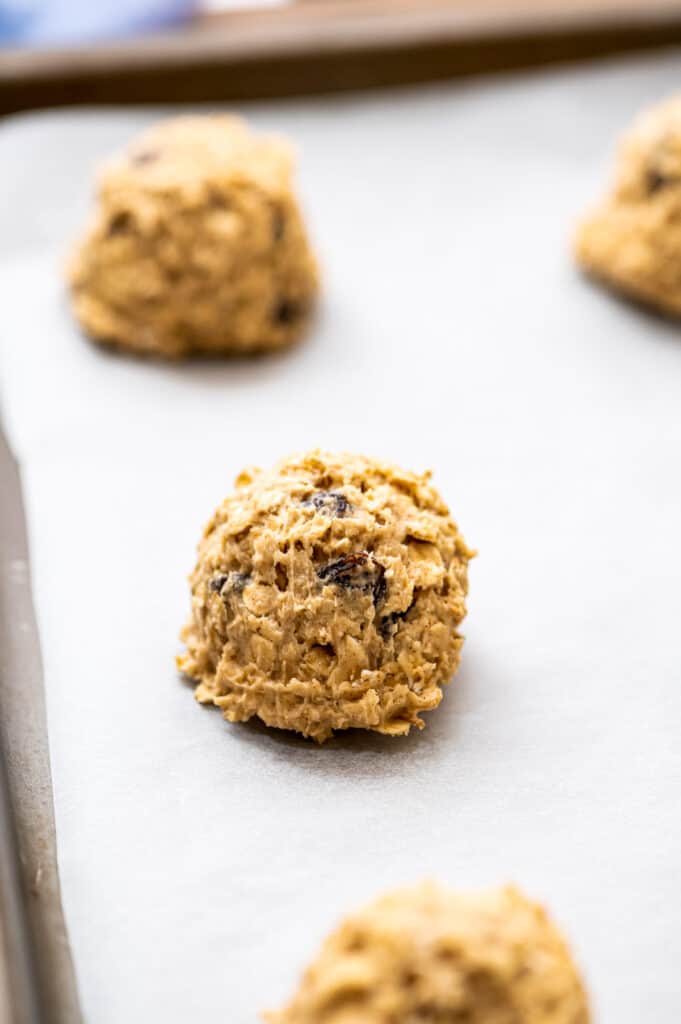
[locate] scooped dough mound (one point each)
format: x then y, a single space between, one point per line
197 244
632 241
427 954
327 595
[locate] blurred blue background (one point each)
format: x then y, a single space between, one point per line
62 22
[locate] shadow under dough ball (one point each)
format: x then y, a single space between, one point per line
327 595
632 241
197 244
428 954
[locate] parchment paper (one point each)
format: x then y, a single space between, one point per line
201 863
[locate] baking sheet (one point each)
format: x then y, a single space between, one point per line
200 862
36 972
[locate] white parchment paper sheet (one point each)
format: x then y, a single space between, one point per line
201 863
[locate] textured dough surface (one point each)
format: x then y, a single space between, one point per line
632 241
327 595
425 954
197 244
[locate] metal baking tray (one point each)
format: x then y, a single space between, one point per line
546 409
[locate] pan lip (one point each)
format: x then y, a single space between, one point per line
37 977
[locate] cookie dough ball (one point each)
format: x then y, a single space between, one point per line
327 595
197 244
426 954
632 242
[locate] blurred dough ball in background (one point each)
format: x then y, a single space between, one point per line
632 240
197 245
426 954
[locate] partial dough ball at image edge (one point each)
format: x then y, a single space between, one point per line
429 954
327 595
631 242
197 245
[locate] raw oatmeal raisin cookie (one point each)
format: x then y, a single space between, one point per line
427 954
632 241
327 594
197 244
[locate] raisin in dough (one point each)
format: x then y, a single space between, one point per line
632 241
427 954
327 595
197 244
